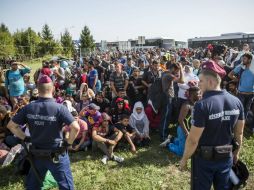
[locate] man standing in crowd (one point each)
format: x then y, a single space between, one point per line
245 77
119 80
14 81
168 78
215 118
45 119
150 76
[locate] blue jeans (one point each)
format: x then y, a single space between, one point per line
60 171
177 146
205 173
165 117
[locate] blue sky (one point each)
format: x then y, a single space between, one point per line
121 20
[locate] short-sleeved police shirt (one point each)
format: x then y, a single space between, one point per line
217 113
45 119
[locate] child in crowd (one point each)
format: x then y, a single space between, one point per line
82 140
72 87
128 132
121 108
139 121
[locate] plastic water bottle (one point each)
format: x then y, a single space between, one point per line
234 179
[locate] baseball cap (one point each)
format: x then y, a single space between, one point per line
93 106
212 66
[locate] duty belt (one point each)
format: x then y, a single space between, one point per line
214 153
48 154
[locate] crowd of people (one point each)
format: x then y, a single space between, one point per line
119 97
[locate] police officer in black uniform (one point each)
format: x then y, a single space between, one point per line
216 119
45 119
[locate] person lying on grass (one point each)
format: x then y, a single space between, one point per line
105 137
82 140
128 132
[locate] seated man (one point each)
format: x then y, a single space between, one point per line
106 137
102 102
90 114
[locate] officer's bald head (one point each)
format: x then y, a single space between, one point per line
209 81
45 86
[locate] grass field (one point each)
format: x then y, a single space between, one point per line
150 168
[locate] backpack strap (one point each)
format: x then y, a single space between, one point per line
7 76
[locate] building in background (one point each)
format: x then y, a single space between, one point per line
160 42
229 39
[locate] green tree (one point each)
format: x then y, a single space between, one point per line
48 46
46 33
6 42
67 44
4 28
26 43
86 40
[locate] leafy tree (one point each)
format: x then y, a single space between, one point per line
6 42
4 28
86 40
67 44
26 42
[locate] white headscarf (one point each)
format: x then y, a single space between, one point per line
135 114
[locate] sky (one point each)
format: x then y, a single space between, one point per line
113 20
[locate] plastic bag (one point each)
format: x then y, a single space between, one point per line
49 182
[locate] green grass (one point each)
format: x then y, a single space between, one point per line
150 168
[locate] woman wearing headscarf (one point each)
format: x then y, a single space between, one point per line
139 121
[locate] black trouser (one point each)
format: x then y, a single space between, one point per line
247 100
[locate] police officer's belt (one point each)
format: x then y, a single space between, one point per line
214 153
46 154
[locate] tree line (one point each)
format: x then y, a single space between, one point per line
27 44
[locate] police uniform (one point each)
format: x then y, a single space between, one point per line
45 119
217 113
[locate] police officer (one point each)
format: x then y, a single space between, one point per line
45 119
216 118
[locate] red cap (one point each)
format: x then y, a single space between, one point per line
46 71
119 100
211 65
45 79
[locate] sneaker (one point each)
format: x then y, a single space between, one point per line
118 159
11 155
104 159
167 141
